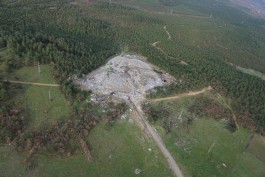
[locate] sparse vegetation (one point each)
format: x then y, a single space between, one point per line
204 145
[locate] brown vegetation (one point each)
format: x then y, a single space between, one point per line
59 139
204 106
86 150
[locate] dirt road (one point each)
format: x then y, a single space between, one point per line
171 161
155 45
158 48
151 131
181 95
169 36
31 83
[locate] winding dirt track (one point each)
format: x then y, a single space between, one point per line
31 83
181 95
169 36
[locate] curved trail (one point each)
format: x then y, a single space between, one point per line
169 36
158 48
31 83
230 109
161 50
181 95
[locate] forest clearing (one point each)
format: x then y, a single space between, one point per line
130 87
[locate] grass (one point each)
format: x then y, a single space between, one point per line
11 162
248 166
117 151
31 74
42 111
256 147
251 72
190 143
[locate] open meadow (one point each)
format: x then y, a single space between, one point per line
117 149
203 144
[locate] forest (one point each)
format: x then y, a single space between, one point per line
78 38
205 67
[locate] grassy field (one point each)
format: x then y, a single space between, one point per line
205 147
256 147
11 162
42 111
251 72
247 166
117 151
31 74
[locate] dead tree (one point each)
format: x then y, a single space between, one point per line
86 150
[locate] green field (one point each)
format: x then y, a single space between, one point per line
204 146
251 72
42 110
117 151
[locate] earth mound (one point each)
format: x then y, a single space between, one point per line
127 77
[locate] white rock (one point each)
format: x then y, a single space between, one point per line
137 171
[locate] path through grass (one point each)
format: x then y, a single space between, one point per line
43 110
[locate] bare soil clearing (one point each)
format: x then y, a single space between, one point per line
126 77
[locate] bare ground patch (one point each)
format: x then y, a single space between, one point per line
127 77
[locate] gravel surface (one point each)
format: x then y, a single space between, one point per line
125 77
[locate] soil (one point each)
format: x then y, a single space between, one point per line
127 77
181 95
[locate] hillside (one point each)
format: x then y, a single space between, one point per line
65 100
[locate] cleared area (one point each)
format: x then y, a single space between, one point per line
127 77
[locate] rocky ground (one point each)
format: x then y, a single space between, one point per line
127 77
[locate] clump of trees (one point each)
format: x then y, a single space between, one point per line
207 107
